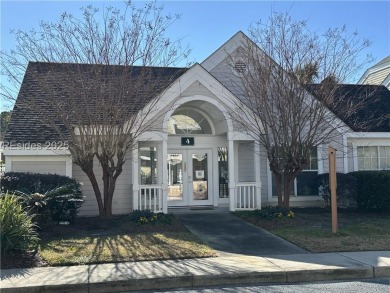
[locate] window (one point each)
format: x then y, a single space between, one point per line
223 172
187 121
373 157
306 182
148 165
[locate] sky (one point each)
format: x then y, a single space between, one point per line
206 25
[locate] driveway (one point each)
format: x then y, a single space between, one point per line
229 234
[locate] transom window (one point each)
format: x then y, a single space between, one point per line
188 121
373 157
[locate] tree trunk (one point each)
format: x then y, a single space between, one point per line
96 189
278 184
287 186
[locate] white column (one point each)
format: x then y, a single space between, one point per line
135 175
345 153
257 163
8 164
68 167
320 159
355 158
164 184
232 179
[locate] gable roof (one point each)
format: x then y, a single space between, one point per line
373 117
377 74
239 39
62 81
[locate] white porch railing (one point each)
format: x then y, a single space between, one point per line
150 197
245 196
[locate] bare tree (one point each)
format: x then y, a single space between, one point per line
281 63
93 83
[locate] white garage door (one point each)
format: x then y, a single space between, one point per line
52 167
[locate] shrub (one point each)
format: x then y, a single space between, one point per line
269 213
61 194
16 227
373 190
148 217
37 205
346 188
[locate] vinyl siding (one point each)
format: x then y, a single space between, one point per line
197 89
246 159
223 72
264 175
377 77
336 143
122 201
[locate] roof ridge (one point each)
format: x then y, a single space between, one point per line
99 64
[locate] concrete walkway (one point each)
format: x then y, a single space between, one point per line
247 255
229 234
225 270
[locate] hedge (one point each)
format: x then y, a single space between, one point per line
369 189
372 190
346 188
62 194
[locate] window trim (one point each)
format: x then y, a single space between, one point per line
378 158
149 145
202 113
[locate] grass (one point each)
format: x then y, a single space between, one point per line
94 241
311 229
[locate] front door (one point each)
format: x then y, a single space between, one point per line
189 177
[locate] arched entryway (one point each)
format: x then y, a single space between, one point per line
197 161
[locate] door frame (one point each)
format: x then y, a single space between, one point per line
187 184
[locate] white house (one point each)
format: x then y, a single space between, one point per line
378 74
199 158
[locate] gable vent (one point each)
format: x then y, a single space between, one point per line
240 66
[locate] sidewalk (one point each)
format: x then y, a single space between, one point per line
224 270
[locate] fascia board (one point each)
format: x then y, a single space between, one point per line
372 70
368 135
200 74
224 51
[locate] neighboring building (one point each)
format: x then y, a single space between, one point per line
199 158
379 74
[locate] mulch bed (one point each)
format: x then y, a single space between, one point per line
21 259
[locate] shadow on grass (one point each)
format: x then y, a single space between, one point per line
120 243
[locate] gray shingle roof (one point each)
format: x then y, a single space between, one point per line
80 88
373 117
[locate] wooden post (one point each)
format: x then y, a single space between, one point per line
333 185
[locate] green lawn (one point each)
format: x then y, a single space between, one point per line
91 240
311 229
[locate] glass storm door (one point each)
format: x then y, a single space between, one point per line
189 177
176 169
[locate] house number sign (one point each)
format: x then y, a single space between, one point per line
187 141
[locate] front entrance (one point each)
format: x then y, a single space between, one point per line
189 177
